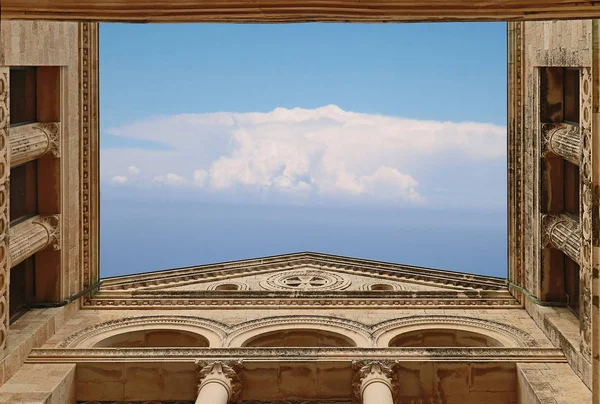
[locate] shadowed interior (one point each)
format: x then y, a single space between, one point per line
154 339
300 338
443 338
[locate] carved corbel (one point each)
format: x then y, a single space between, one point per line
224 373
367 372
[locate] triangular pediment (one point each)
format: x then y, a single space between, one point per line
302 272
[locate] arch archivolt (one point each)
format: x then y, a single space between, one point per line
357 332
213 331
508 336
362 336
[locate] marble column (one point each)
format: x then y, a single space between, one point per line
219 382
373 382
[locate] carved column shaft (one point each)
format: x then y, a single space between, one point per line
33 235
219 382
562 233
563 140
28 142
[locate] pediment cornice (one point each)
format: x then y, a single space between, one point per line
231 270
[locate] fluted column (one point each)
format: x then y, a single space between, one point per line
33 235
562 233
563 140
28 142
219 382
373 382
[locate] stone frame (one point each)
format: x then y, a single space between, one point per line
89 158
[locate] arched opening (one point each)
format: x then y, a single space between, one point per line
381 286
443 337
300 338
157 338
227 286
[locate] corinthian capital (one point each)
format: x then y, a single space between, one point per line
367 372
224 373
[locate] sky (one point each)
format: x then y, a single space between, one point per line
379 141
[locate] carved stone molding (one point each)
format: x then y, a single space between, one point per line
586 199
224 373
33 235
28 142
89 153
342 265
466 355
4 203
520 337
563 140
86 333
562 233
367 372
338 324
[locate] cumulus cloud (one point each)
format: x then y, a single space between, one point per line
321 151
171 179
118 179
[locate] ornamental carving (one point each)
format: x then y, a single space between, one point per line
520 337
52 131
86 333
586 207
367 372
310 279
224 373
52 225
4 204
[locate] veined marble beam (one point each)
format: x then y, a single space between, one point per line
28 142
563 140
33 235
562 233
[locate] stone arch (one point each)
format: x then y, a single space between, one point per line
352 332
487 332
189 328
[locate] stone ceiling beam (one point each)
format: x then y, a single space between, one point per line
281 11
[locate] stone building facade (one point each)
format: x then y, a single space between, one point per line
306 327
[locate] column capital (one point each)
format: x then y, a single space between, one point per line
367 372
224 373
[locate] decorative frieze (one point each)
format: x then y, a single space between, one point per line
562 233
562 140
4 204
89 153
33 235
28 142
465 355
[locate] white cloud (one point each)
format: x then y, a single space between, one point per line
200 177
133 170
118 179
322 151
171 179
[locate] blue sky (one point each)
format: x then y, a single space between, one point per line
266 138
